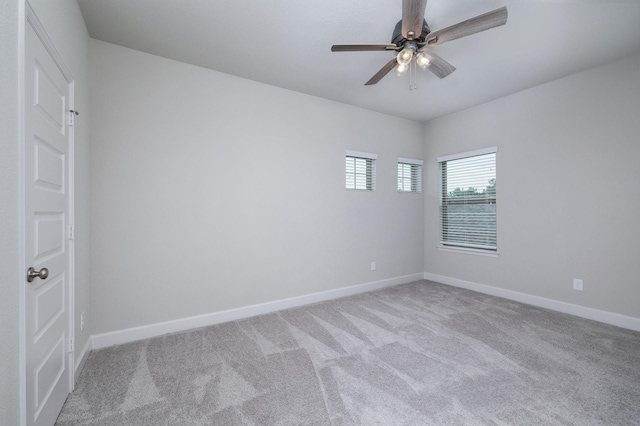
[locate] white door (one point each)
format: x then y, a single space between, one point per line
46 303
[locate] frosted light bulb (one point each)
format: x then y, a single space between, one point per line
423 60
405 56
401 69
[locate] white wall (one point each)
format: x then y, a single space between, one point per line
568 176
212 192
9 221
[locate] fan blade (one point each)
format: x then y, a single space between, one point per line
480 23
362 47
438 66
383 71
412 17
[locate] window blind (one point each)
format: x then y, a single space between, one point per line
468 200
360 170
409 175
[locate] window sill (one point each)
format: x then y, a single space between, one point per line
475 252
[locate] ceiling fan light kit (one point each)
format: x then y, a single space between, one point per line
413 50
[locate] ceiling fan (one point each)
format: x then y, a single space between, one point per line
412 35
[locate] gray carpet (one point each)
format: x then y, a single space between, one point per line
416 354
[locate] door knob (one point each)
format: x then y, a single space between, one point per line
32 274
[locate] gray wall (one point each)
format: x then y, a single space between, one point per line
567 173
9 280
212 192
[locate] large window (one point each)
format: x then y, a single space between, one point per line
360 170
409 175
468 200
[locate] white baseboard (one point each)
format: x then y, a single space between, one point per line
118 337
619 320
80 359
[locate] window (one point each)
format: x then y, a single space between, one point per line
361 170
468 200
409 175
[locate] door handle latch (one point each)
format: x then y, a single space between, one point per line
33 274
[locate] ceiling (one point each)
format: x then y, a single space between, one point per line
286 43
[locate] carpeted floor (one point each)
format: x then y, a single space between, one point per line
416 354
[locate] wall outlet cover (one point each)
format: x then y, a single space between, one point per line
577 284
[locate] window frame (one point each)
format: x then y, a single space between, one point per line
416 184
446 201
370 170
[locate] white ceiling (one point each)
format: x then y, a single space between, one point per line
286 43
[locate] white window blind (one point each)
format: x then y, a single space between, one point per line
468 200
360 170
409 175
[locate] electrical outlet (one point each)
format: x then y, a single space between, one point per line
577 284
82 321
373 265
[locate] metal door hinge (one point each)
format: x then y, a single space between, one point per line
71 344
70 232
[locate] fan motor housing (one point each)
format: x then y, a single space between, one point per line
399 40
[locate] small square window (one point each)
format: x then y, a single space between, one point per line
360 171
409 175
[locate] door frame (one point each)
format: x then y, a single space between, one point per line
29 18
